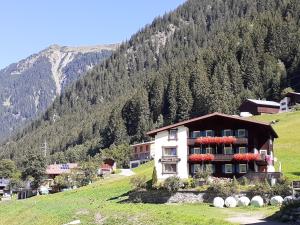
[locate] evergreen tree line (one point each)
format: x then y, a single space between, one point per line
213 55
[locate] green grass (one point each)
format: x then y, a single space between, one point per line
99 202
287 146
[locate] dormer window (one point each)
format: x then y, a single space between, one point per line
173 134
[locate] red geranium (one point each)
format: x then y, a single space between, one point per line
201 157
216 140
246 157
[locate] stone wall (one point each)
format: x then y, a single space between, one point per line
162 196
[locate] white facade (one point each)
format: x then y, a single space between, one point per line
284 104
162 141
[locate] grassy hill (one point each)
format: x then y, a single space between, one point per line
287 146
99 203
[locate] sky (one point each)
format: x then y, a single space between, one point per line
30 26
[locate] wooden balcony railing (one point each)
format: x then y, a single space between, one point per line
191 141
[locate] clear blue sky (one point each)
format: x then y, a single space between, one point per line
31 25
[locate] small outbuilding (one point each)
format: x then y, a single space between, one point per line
258 107
289 101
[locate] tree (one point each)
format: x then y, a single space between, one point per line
7 168
184 99
200 87
115 131
171 103
34 165
156 98
121 154
285 91
154 177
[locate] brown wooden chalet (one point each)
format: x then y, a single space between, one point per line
258 107
227 145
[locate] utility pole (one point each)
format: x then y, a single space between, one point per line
45 148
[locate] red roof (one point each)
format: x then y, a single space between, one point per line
216 114
56 169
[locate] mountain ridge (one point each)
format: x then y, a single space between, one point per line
40 77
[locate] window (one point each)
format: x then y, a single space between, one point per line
283 103
173 134
228 150
263 153
195 150
228 168
242 150
170 151
241 133
196 134
209 150
170 168
209 133
135 149
147 148
227 133
205 167
242 168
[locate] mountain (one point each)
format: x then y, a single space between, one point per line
203 57
28 87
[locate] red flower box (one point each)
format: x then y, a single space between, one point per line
216 140
201 157
246 157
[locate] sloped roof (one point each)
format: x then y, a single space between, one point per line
264 102
60 168
216 114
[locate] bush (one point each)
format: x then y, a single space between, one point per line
189 183
282 188
154 177
262 189
172 184
244 181
139 182
219 189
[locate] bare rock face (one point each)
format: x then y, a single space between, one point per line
28 87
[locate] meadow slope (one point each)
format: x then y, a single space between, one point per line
287 146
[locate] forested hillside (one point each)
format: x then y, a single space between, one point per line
29 87
205 56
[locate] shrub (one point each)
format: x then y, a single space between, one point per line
282 188
234 186
154 177
139 182
219 189
189 183
244 181
172 184
262 189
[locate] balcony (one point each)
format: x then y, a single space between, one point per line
261 160
191 141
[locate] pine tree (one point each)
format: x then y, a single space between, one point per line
184 99
200 87
171 103
156 98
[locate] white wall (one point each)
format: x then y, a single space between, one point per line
161 140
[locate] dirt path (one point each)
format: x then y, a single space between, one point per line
126 172
252 218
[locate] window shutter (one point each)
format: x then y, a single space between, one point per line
223 168
246 133
238 168
222 133
246 149
213 133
